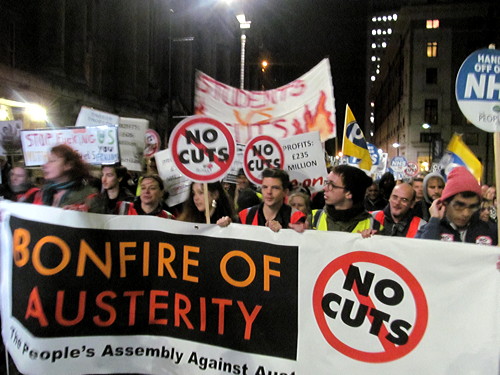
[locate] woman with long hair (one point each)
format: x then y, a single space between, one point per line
220 207
66 180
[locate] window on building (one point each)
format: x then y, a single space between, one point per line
431 111
431 76
432 24
432 49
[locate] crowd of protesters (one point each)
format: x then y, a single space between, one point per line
428 206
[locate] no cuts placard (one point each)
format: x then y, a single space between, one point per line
202 148
260 153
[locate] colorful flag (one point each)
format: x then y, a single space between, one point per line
354 143
458 153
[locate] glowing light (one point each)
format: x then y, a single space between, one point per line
37 112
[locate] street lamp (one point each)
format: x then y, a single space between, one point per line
244 24
396 146
427 126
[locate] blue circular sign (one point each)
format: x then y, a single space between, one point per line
477 89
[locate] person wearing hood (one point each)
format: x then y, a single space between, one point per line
344 211
433 188
453 215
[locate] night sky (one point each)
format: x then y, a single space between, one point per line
301 33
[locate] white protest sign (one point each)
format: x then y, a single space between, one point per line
477 89
92 117
304 160
131 134
10 137
97 145
202 148
176 184
260 153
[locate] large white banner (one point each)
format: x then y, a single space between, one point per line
304 105
85 293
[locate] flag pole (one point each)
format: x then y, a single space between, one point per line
496 149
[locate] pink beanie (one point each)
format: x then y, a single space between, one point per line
460 180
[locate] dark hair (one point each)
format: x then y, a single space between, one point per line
156 178
120 170
224 206
416 179
465 194
355 180
247 198
277 173
79 168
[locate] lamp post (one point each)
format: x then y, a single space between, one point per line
427 126
396 146
244 24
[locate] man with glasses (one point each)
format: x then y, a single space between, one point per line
397 218
453 215
344 193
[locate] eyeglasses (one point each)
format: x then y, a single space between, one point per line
461 206
396 199
329 185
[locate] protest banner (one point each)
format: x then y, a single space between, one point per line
97 145
10 137
304 105
131 133
84 293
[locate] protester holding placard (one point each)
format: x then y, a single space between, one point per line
112 191
344 194
273 212
66 176
221 209
150 202
453 214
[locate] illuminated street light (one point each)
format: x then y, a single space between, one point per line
244 24
427 126
395 145
264 65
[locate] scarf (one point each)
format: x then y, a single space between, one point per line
53 187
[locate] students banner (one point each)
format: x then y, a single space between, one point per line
304 105
85 293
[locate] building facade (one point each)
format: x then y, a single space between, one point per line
416 84
128 57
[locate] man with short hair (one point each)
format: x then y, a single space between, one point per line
453 215
418 185
273 212
344 211
397 218
433 187
112 192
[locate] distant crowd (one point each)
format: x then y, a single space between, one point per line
428 206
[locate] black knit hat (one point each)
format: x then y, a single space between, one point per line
355 180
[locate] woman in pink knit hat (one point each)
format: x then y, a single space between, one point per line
453 215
